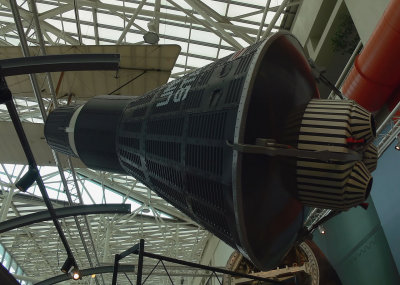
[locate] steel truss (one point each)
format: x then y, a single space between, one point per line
211 271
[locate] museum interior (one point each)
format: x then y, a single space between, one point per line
200 142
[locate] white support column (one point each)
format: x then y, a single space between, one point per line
95 26
78 23
157 7
27 16
103 188
73 245
7 28
208 254
106 252
263 19
48 38
176 239
188 18
6 204
56 11
224 20
39 37
86 190
275 19
9 196
131 20
221 31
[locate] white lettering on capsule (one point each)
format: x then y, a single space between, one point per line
182 88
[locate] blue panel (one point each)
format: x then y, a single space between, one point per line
356 246
386 197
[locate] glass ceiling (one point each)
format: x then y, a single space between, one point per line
179 23
206 31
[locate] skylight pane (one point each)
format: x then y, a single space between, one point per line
181 3
69 27
176 31
87 41
183 45
205 36
217 6
141 23
12 41
181 60
113 198
241 41
276 3
55 23
236 10
109 34
203 50
256 2
177 70
87 30
85 16
198 62
7 260
69 14
112 20
255 18
41 7
13 267
246 25
278 23
133 38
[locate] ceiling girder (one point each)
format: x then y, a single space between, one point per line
42 216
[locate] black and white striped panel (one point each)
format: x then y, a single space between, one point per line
362 123
370 157
358 185
322 184
326 126
333 188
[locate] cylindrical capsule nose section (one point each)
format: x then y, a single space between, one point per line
59 129
89 131
338 127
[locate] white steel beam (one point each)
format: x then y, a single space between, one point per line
56 11
78 24
131 20
219 29
147 13
157 6
275 19
263 20
6 204
95 26
208 254
223 20
137 196
27 16
31 236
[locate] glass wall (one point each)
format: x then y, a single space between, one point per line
11 265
